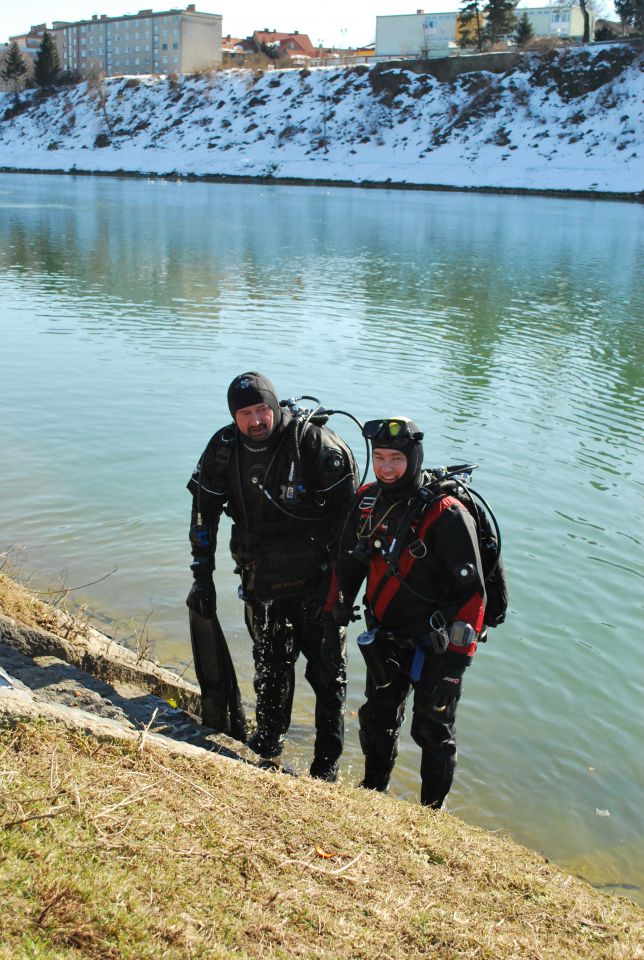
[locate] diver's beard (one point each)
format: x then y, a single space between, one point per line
259 433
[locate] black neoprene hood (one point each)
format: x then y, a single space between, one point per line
251 388
413 450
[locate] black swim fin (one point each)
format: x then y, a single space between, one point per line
221 703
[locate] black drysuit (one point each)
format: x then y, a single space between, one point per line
438 568
284 562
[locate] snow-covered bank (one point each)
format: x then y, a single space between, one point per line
569 120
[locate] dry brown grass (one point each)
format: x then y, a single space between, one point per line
112 852
19 604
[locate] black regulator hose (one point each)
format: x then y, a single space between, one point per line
345 413
298 439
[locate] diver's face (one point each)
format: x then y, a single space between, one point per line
389 465
255 422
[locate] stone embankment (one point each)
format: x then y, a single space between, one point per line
73 674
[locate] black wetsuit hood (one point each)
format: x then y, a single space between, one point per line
411 480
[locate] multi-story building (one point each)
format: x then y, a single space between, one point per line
29 43
417 34
556 20
423 34
173 41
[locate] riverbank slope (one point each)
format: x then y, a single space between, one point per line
569 120
122 843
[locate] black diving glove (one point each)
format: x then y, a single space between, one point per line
444 696
202 598
344 613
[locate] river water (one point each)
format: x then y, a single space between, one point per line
510 328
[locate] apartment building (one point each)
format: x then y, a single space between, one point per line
173 41
423 34
417 34
29 43
558 21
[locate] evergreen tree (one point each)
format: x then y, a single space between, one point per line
524 32
271 50
500 19
471 23
47 64
605 32
631 13
14 68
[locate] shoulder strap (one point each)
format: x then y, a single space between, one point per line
417 506
395 574
225 448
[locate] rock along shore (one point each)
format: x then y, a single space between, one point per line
67 671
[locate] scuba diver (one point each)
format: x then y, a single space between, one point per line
416 537
287 481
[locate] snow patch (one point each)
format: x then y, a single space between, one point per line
570 120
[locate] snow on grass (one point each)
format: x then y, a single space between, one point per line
569 120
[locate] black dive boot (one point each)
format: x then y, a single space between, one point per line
211 712
268 746
324 769
329 739
436 775
376 775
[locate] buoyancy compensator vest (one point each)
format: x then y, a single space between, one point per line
287 555
454 481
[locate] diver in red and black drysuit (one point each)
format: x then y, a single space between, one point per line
287 481
417 546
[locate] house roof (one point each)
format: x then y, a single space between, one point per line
238 44
291 43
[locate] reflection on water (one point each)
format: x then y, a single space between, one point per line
509 328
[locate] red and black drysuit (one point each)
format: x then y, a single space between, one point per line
438 569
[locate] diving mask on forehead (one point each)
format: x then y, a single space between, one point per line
394 428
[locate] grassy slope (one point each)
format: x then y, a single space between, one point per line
110 852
